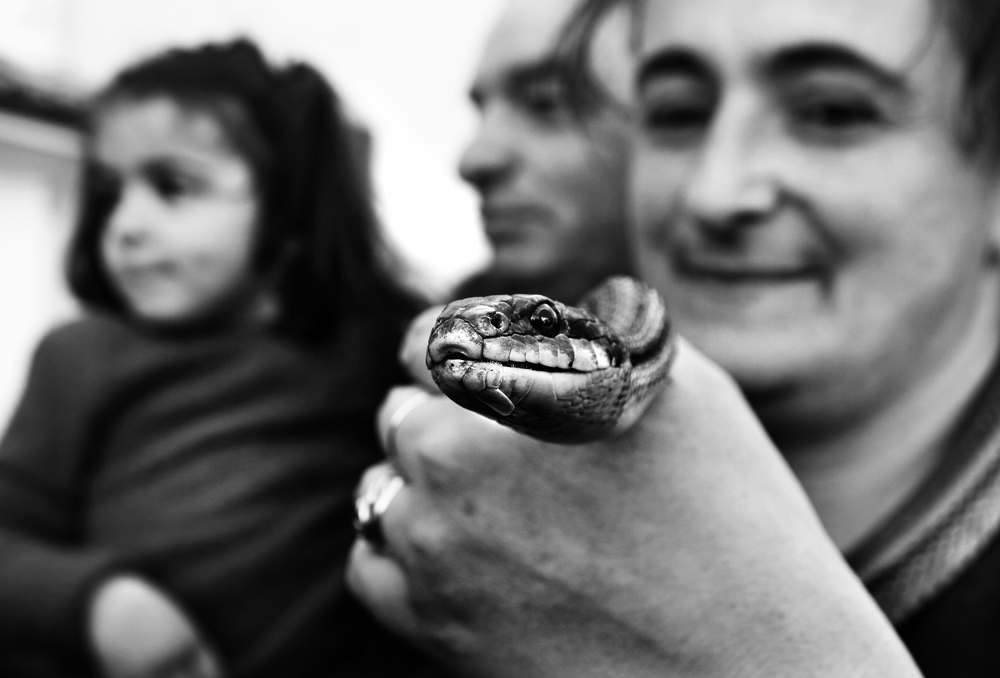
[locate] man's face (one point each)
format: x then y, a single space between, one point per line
552 187
800 197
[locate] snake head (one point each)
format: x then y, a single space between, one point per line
522 358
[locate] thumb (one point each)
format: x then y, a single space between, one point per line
413 350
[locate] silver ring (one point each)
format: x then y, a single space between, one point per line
396 420
371 504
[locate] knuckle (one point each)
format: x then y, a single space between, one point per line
436 453
428 537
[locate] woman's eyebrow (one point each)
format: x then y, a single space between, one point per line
671 62
799 60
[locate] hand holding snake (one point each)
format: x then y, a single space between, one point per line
672 543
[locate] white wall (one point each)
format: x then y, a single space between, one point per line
38 167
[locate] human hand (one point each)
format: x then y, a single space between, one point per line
683 547
138 632
413 348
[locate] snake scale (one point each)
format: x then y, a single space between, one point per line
556 372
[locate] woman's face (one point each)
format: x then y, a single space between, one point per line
178 246
800 197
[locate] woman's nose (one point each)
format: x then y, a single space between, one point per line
733 182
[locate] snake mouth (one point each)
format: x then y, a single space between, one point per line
457 340
534 367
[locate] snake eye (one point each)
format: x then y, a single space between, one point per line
545 320
500 321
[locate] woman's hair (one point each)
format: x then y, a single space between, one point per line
974 27
318 240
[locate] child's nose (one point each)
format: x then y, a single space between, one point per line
129 223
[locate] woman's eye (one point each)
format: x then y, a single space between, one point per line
676 125
837 114
673 118
677 110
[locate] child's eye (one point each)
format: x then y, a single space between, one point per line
171 184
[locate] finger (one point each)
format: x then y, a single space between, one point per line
401 414
373 475
208 666
378 488
194 660
380 583
413 349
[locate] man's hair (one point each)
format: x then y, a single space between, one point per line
974 26
317 238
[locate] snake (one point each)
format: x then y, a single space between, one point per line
560 373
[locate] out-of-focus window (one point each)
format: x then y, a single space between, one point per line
39 154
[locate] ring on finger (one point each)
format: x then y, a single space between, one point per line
373 502
396 420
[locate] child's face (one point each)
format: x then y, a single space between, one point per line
178 246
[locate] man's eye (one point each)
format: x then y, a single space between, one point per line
545 100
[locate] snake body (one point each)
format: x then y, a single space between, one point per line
557 372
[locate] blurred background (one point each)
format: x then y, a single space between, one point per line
402 66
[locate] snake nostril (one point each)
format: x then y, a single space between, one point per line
500 321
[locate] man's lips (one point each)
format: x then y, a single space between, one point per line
510 220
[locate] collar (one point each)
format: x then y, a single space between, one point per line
947 522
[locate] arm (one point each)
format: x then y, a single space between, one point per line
45 575
60 597
685 547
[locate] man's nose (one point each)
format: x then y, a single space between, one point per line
734 182
492 154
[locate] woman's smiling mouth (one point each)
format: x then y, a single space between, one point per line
737 270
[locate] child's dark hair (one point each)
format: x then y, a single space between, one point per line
318 239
